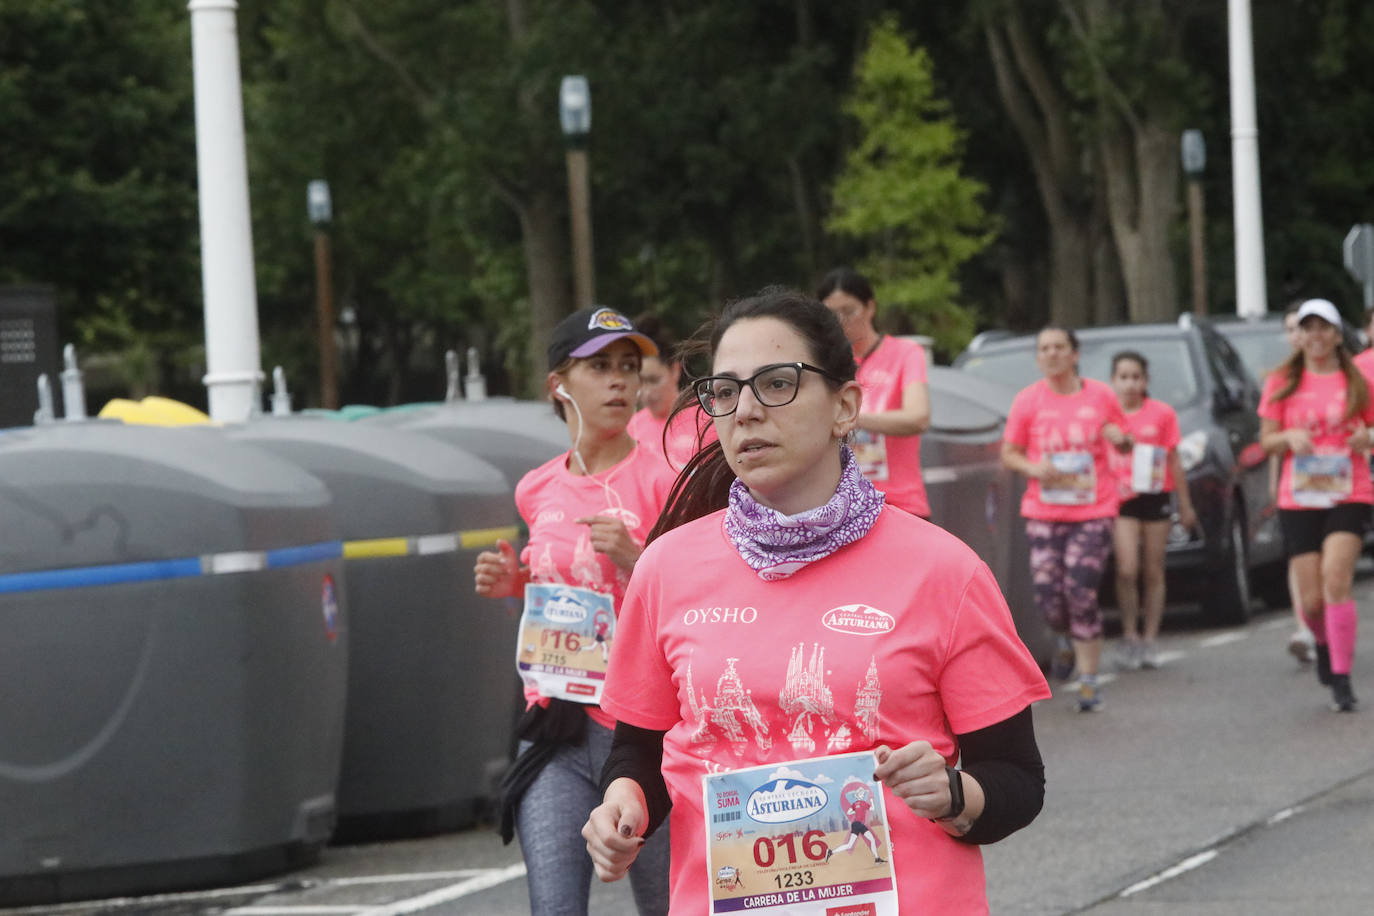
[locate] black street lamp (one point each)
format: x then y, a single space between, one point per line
320 211
1194 150
575 116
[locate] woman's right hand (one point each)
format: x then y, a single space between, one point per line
497 572
613 830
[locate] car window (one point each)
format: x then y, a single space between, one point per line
1260 352
1173 378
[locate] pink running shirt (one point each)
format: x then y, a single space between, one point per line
1318 405
1364 361
1043 422
882 375
1153 423
647 430
549 497
835 658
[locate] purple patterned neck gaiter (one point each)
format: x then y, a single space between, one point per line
776 545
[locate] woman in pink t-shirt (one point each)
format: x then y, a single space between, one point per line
588 512
1315 412
1146 478
1059 432
759 629
896 409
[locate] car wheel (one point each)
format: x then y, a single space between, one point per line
1232 602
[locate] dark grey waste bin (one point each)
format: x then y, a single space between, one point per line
973 496
429 697
173 661
515 436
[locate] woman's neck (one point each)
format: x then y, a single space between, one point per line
599 453
1064 383
864 348
1321 365
1132 406
817 489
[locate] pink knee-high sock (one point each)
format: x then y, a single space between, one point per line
1341 621
1316 625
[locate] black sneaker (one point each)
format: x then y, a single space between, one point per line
1342 697
1323 664
879 860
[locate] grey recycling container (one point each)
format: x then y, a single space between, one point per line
973 496
431 665
514 435
173 658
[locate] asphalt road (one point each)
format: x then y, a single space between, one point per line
1219 784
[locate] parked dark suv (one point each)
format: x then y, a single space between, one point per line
1197 372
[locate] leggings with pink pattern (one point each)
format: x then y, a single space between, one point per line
1066 560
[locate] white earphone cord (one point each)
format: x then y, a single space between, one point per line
613 499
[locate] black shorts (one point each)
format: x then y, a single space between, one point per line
1305 529
1148 507
857 828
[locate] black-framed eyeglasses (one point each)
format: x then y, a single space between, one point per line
773 386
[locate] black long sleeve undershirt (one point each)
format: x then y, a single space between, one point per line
1004 758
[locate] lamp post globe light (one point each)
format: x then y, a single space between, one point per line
319 208
575 117
1194 152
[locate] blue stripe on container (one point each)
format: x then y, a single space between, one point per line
88 576
153 570
310 553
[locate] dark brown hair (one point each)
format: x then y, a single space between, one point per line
703 486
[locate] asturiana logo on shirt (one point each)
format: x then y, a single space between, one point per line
564 607
858 620
782 800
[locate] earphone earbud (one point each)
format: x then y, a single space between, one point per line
562 392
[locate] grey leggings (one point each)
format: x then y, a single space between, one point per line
559 871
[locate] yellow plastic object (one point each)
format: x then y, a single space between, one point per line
152 411
168 412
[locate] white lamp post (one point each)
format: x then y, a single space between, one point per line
232 358
1251 298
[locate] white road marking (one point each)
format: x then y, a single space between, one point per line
116 903
1222 639
1280 624
404 877
491 878
1168 658
1283 815
300 909
1072 686
1171 872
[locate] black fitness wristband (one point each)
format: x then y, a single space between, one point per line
956 795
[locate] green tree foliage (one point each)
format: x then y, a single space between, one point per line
902 193
98 177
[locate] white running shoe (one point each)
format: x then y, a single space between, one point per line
1302 646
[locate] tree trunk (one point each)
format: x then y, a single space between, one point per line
1040 117
1142 181
543 240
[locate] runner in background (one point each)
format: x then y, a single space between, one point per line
659 389
1058 433
588 512
896 403
1301 645
1315 413
748 633
1145 479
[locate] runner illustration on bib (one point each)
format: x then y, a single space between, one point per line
770 831
1321 481
1077 484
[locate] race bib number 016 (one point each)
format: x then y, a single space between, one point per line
807 838
565 641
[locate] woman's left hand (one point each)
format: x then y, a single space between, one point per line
1360 440
1187 518
915 774
612 538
